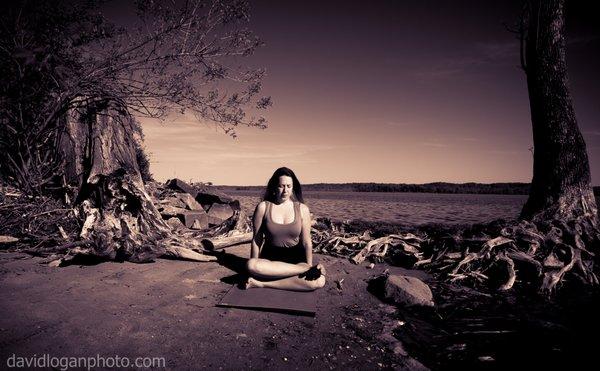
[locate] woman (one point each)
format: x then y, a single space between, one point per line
282 222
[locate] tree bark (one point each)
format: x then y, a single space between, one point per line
561 185
119 216
221 243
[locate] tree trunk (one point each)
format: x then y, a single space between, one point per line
561 187
120 218
561 200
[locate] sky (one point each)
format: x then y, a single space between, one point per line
385 91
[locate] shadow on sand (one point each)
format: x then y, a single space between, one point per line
236 264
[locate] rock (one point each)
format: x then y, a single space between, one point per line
213 220
55 263
408 291
169 211
187 217
173 201
200 224
189 202
180 185
175 223
8 240
203 194
208 196
221 211
190 217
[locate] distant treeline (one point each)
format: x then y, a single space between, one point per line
439 187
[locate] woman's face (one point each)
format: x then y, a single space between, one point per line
285 188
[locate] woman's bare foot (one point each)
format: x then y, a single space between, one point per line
251 283
321 267
313 273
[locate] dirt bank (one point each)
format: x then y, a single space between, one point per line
167 309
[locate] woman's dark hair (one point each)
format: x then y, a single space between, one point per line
271 191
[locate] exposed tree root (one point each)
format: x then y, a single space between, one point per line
116 221
541 254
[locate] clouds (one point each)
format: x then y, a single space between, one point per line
192 150
392 91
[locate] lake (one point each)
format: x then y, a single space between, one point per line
404 208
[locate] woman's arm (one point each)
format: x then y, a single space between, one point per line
257 236
305 234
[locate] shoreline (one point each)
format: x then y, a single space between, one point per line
441 188
436 188
401 209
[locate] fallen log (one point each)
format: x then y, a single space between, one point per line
185 253
60 249
8 239
212 244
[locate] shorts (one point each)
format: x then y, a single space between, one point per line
293 255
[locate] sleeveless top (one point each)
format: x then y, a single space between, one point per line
283 235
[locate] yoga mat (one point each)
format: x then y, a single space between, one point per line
272 300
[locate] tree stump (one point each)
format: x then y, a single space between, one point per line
119 216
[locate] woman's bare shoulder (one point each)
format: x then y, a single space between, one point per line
304 208
261 207
260 210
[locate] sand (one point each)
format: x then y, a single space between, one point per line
167 309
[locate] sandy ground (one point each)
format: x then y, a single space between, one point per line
167 309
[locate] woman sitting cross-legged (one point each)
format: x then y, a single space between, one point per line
281 248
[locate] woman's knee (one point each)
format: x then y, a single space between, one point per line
252 265
321 282
316 284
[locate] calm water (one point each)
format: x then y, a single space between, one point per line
405 208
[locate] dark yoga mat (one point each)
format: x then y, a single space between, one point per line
272 300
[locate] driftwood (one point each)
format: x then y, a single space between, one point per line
184 253
379 247
34 222
44 228
219 243
8 239
362 255
521 253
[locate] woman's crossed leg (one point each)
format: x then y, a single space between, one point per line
284 276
